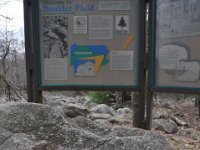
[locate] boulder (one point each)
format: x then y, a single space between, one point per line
119 121
103 109
160 114
165 125
123 111
73 110
170 105
95 128
179 121
34 123
103 122
188 104
134 139
189 133
60 99
27 126
167 102
116 120
88 103
95 116
56 100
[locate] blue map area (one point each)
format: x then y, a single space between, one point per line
81 54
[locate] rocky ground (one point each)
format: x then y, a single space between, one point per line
177 120
70 121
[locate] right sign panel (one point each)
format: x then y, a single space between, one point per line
176 44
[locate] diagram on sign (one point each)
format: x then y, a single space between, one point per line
122 24
170 54
176 59
87 60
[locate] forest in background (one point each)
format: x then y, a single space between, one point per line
12 55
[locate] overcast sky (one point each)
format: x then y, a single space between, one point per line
14 10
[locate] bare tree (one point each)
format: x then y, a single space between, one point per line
9 57
9 47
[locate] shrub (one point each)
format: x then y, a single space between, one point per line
99 97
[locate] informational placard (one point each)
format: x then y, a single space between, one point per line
176 51
88 42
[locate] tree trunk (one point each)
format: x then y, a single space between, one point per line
118 99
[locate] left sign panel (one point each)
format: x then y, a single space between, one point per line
87 42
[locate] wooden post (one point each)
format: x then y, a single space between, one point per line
141 102
34 95
135 98
198 103
149 56
149 109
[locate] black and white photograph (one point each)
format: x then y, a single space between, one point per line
55 36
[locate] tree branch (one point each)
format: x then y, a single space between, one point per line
17 91
5 17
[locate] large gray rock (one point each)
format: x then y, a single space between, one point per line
179 121
158 114
123 111
103 122
21 141
26 126
103 109
95 116
165 125
119 121
73 110
134 139
89 104
190 133
170 105
167 102
34 122
86 124
57 99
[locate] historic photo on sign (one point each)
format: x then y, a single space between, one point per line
55 36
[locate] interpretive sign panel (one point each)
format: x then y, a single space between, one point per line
176 44
88 42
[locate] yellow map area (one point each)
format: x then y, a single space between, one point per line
128 41
98 61
198 42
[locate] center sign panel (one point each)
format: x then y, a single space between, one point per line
88 42
177 44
